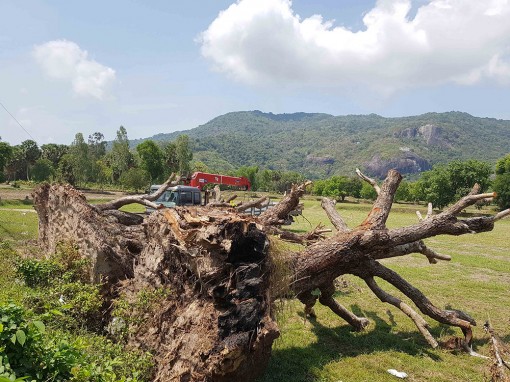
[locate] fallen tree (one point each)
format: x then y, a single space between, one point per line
217 324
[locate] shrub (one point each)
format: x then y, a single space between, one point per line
25 353
36 273
129 312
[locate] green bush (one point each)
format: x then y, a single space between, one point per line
61 291
24 351
106 361
38 273
27 351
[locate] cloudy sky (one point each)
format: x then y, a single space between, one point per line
159 66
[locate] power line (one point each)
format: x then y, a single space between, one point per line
13 117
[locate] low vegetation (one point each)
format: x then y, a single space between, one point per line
50 328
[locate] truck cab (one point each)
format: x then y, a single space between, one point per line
177 196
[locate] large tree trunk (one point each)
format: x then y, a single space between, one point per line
217 323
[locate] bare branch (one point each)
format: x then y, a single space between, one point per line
303 239
328 205
406 249
278 214
369 180
429 210
450 317
420 323
376 219
217 194
258 203
230 198
326 298
502 214
498 368
146 199
429 213
467 201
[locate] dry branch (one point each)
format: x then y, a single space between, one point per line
278 214
420 323
369 181
334 217
146 200
258 203
498 350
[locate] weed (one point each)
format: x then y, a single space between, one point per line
129 312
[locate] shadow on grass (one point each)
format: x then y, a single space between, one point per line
297 364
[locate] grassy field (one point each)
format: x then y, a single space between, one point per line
477 280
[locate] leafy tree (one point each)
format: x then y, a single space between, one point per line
65 171
104 172
120 157
368 192
446 183
42 170
502 182
14 168
183 153
283 181
30 152
199 166
135 178
318 187
5 156
53 152
249 172
96 150
170 160
264 180
338 187
80 160
151 157
403 192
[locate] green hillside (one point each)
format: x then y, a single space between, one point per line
322 145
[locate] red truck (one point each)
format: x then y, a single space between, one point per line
200 179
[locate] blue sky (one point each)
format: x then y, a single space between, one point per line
160 66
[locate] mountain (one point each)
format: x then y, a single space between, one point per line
319 145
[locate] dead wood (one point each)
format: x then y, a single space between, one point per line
258 203
231 198
217 324
278 214
334 217
307 238
145 200
499 368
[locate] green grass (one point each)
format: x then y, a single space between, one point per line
17 225
476 280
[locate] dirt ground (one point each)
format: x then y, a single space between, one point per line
8 192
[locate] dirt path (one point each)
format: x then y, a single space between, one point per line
17 209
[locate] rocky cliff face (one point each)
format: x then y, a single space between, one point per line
405 163
432 135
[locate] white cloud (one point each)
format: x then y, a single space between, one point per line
65 60
459 41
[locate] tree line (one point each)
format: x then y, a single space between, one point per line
92 161
442 185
